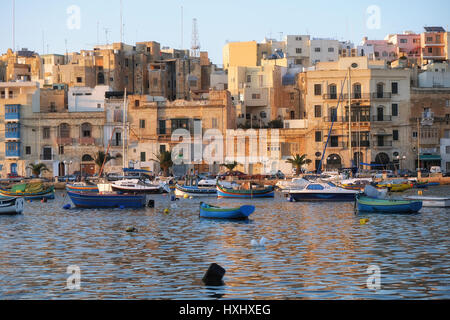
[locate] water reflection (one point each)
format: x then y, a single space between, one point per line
315 251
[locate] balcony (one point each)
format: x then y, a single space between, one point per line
339 145
381 118
358 96
12 131
64 141
333 119
358 119
382 144
87 141
330 96
381 95
12 149
362 144
12 112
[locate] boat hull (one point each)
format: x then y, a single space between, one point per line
371 205
137 190
11 206
91 189
93 201
223 193
432 202
181 191
241 213
331 197
48 194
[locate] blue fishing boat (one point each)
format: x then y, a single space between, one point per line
375 205
194 191
250 193
82 187
109 200
212 212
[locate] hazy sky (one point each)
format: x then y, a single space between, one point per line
43 25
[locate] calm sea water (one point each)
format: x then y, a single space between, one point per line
315 251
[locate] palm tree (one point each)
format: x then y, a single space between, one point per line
298 162
37 169
230 166
101 159
164 159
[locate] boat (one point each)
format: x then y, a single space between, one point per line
213 212
107 200
354 184
294 184
321 191
194 191
432 202
29 191
11 206
396 185
375 205
82 187
245 193
136 186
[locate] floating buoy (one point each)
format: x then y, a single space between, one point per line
191 197
186 196
131 229
420 193
214 275
363 221
67 207
166 211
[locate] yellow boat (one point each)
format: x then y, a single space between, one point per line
395 186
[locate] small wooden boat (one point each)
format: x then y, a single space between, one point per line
395 186
32 191
11 206
212 212
107 200
82 187
374 205
250 193
432 202
194 191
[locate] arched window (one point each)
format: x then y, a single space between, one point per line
64 130
334 162
100 78
86 130
382 159
87 158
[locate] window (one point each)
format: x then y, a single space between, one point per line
394 87
27 150
61 149
317 89
415 135
46 133
403 40
143 157
136 103
162 148
395 110
162 126
332 91
86 130
99 105
292 96
298 38
430 50
318 136
298 50
79 79
256 96
214 124
447 103
142 124
249 78
330 49
447 149
395 134
316 49
385 54
377 54
263 115
334 142
429 39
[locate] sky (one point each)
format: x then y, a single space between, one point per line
45 26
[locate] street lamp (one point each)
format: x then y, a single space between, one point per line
68 163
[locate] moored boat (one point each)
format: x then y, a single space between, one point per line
322 191
82 187
432 202
396 185
29 191
213 212
194 191
11 206
107 200
245 193
136 186
374 205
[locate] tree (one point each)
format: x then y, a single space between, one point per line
230 166
298 162
37 169
165 161
101 159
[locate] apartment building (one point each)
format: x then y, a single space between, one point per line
379 115
434 43
24 65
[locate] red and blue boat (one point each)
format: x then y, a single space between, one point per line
108 200
250 193
82 187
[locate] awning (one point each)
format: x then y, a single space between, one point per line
430 157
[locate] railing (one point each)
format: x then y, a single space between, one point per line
381 95
358 96
330 96
358 119
362 144
87 141
12 135
333 119
12 154
340 145
380 144
381 118
65 141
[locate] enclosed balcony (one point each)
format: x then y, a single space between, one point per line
12 131
12 112
12 149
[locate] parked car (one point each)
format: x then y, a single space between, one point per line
435 170
405 173
69 178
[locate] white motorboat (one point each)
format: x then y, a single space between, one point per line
11 206
321 191
136 186
294 184
432 202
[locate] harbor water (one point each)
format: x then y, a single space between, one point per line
313 251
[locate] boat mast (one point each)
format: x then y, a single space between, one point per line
350 116
123 129
418 145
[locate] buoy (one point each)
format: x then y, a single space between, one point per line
186 196
363 221
67 207
214 275
166 211
131 229
420 193
191 197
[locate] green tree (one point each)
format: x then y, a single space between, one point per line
298 162
230 166
101 159
164 159
37 169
